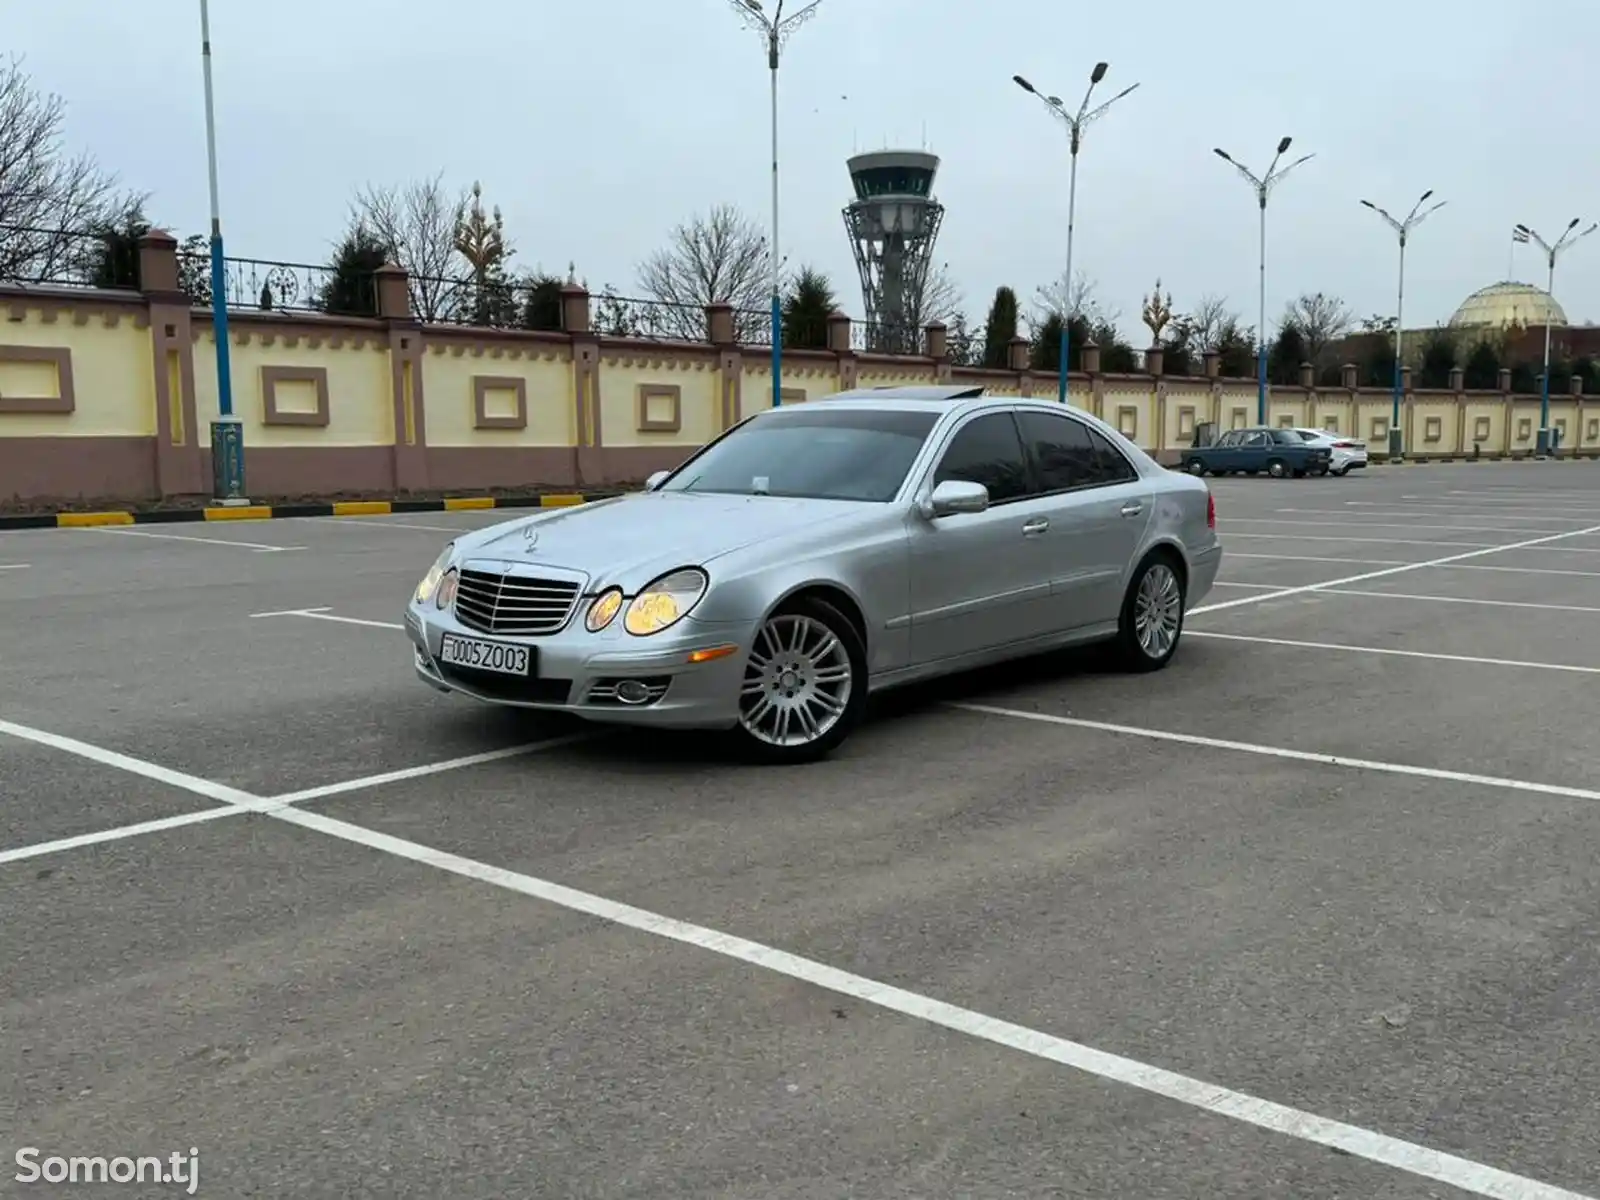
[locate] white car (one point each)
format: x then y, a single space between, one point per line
1348 453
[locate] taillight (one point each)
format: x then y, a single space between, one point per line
1344 445
1211 511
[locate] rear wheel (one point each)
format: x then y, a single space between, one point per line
805 684
1196 466
1152 614
1341 470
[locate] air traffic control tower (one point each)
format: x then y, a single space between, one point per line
893 222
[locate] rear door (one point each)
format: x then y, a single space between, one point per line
1098 506
981 580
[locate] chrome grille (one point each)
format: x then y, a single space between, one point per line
497 603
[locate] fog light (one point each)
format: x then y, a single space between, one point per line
631 691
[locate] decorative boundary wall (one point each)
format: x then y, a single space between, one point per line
110 395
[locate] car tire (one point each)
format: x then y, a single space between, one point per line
1158 583
1195 466
797 682
1341 472
1277 468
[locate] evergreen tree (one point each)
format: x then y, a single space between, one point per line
1000 329
351 289
806 310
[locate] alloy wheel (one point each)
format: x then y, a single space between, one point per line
1158 610
797 682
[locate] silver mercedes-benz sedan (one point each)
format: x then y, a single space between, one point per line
816 553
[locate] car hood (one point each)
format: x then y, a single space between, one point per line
629 540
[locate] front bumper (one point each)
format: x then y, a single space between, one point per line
578 672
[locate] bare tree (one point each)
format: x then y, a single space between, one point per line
47 198
1077 297
939 299
1320 319
1210 322
418 223
718 258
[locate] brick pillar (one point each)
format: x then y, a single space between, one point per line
409 455
180 465
839 344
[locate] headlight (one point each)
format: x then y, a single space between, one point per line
446 595
665 602
435 573
604 610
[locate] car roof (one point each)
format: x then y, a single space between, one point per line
919 391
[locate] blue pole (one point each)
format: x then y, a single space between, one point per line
777 302
1261 316
227 434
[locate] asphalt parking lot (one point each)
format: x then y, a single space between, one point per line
1310 914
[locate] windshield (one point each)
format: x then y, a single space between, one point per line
824 454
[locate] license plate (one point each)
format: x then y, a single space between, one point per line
501 657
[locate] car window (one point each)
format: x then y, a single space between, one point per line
1255 438
821 454
987 450
1285 437
1228 439
1112 465
1063 453
1308 435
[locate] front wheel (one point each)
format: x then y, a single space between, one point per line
1277 469
1196 466
1152 614
805 684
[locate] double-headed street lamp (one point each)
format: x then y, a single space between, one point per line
1262 188
774 31
1564 242
1402 228
1075 126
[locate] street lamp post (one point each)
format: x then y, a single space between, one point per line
1075 126
1402 228
1263 188
1564 242
774 31
227 433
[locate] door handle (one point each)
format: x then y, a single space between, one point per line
1037 525
1132 509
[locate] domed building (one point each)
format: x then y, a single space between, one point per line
1508 305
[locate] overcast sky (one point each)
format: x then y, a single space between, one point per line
597 125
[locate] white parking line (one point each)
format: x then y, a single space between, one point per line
1460 658
1356 562
1443 510
257 547
453 764
1330 537
1396 570
324 614
1197 1093
1408 1157
232 801
1348 524
380 521
15 566
1583 608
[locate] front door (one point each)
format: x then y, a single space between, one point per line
1099 506
981 580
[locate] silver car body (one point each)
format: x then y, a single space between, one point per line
931 595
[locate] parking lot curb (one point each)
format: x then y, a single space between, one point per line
266 512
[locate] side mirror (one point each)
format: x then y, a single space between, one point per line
956 496
656 479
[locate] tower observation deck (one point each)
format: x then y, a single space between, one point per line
893 223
